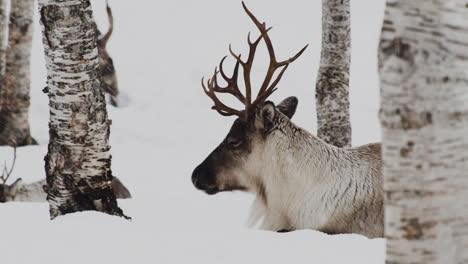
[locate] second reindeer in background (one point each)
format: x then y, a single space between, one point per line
106 64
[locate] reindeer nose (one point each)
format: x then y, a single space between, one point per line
202 178
196 175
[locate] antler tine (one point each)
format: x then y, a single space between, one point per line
272 88
246 67
13 164
274 64
250 42
295 57
248 64
232 87
110 17
221 69
218 105
260 26
6 173
237 57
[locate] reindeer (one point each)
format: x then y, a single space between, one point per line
20 192
105 62
299 181
6 173
36 191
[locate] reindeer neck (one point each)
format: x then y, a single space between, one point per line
316 177
297 148
302 165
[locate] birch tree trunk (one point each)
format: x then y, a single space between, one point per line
14 95
3 39
423 63
78 162
332 88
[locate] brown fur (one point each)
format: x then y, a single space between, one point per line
300 181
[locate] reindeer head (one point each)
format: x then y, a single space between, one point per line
236 163
8 192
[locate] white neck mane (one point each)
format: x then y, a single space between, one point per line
306 181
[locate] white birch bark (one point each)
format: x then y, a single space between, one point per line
3 39
332 88
78 163
423 63
14 95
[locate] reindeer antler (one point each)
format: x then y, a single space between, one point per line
105 38
7 172
232 86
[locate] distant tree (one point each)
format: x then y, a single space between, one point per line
332 89
423 66
14 92
3 38
78 162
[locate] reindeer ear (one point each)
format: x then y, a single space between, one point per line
13 189
288 106
265 116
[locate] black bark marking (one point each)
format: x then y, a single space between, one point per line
399 48
406 119
404 152
414 230
47 27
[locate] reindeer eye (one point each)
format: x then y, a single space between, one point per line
234 142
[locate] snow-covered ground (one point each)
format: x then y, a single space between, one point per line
161 49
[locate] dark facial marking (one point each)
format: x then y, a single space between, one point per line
225 156
237 136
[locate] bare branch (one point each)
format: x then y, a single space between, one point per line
6 173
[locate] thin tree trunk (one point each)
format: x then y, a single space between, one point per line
78 162
423 66
14 95
332 90
3 39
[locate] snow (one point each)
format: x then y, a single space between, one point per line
161 49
